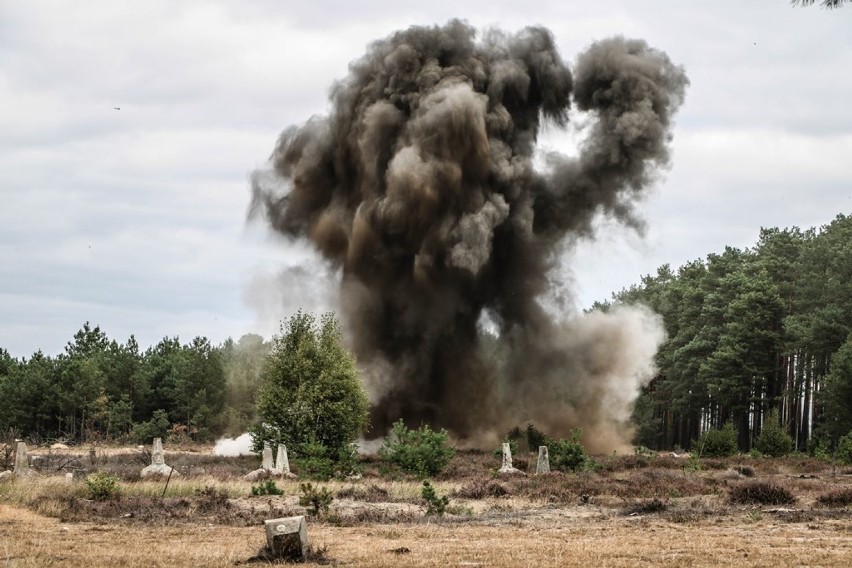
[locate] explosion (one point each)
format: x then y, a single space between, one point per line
422 188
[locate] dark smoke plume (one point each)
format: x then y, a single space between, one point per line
421 187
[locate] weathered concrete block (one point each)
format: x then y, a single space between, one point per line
543 465
287 538
507 467
158 465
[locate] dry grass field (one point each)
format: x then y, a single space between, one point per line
631 512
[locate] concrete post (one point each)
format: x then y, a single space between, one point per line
22 464
282 463
543 465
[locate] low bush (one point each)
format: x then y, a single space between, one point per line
837 498
313 462
482 488
267 487
646 507
422 452
370 494
717 443
102 487
568 455
435 504
211 499
317 498
745 470
761 493
844 449
773 440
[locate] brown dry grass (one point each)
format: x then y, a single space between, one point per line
29 540
630 511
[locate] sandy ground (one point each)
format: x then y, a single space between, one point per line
554 538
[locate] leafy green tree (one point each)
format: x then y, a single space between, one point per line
243 363
156 427
823 3
310 392
188 382
836 395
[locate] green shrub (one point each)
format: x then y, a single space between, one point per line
422 452
313 462
318 498
642 451
103 486
819 447
347 463
435 505
717 443
773 440
567 455
844 449
267 487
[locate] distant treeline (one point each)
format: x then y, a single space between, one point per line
751 331
101 389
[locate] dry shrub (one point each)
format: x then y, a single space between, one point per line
467 464
836 498
667 461
745 470
554 487
761 493
210 507
369 516
646 507
715 463
370 494
682 516
622 463
480 489
663 483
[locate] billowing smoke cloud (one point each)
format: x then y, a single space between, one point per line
421 187
239 446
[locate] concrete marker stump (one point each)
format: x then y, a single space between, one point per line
543 465
267 468
22 463
282 462
287 538
158 462
507 467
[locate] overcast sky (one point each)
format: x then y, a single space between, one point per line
128 131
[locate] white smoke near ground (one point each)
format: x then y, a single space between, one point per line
229 447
